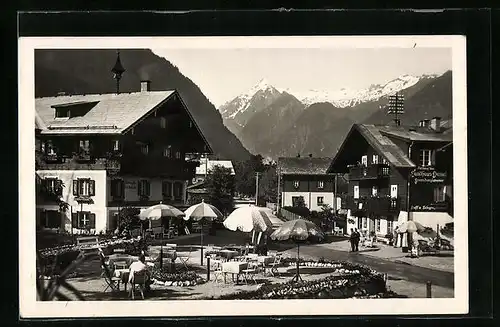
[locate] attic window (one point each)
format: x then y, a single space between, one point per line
63 113
73 109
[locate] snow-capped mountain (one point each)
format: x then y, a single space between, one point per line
239 110
346 97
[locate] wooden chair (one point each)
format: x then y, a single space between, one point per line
111 281
272 269
250 272
158 232
184 257
120 264
138 280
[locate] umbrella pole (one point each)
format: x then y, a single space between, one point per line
297 277
201 237
161 253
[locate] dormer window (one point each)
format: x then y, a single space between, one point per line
63 113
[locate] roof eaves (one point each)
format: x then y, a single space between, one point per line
353 127
211 151
143 117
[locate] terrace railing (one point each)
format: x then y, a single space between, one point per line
374 171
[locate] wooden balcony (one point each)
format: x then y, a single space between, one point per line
78 163
369 172
377 205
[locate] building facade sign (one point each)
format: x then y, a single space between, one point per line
440 206
427 175
131 185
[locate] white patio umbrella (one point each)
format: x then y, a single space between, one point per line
157 212
201 212
249 219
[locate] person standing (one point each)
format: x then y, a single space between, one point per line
356 240
352 240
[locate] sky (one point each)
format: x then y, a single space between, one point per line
223 74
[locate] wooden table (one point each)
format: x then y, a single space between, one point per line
128 259
228 254
233 268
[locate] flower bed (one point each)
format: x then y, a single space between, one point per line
351 281
183 279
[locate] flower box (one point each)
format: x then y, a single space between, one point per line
182 279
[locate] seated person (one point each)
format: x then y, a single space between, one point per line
138 266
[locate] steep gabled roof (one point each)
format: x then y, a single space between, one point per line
379 142
303 165
111 114
422 135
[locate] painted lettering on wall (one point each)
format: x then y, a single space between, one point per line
131 185
428 175
430 207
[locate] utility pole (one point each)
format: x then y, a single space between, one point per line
278 198
257 189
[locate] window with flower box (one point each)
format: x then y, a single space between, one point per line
118 188
53 186
167 151
426 158
144 188
83 187
320 200
178 191
50 219
83 220
166 190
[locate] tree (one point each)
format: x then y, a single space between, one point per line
220 188
129 218
268 184
246 174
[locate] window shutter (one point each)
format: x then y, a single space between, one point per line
58 187
148 188
75 187
92 220
91 187
113 187
139 188
121 187
74 220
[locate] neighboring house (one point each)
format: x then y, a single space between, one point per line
396 171
306 178
109 151
206 165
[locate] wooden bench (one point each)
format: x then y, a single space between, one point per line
89 243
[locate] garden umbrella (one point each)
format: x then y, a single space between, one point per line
201 212
410 227
157 212
298 230
249 219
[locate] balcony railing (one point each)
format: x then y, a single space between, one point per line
75 163
379 205
374 171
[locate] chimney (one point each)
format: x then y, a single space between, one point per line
426 122
298 155
145 86
435 123
310 155
397 122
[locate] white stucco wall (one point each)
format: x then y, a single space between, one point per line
98 207
131 188
310 199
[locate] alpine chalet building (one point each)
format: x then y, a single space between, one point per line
397 173
102 152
